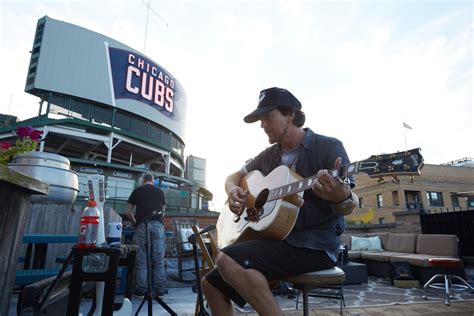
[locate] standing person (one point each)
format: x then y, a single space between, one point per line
245 268
149 199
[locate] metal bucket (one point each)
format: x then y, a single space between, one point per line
52 169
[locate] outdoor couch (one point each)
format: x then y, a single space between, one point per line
415 249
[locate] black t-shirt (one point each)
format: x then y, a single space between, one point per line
147 199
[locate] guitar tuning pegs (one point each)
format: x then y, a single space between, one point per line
412 179
395 180
381 180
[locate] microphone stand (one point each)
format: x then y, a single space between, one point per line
192 240
149 295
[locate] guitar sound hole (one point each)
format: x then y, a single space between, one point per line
261 199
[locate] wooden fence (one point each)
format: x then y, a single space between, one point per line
459 223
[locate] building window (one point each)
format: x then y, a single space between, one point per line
395 198
361 203
470 201
119 188
455 201
123 121
155 133
166 139
140 127
382 220
379 200
102 115
434 198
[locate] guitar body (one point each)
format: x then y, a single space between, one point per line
278 217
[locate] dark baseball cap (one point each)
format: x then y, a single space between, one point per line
271 99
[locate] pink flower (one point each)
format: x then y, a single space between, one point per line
5 145
36 134
28 131
24 131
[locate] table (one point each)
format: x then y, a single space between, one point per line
37 248
100 264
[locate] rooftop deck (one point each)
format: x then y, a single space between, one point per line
377 297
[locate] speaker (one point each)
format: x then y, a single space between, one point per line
401 271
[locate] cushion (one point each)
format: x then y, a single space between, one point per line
366 244
184 233
345 239
383 238
417 260
401 243
437 244
383 256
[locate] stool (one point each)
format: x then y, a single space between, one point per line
329 281
448 286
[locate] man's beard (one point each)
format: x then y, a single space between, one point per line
280 138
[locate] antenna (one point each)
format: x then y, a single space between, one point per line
10 105
149 8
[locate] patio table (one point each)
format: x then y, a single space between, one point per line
37 248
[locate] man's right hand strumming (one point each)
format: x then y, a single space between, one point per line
236 199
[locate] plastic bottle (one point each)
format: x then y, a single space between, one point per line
89 227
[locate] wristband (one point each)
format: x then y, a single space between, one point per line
346 199
346 206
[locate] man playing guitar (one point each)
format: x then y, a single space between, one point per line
245 267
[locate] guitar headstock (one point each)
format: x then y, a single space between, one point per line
407 163
97 188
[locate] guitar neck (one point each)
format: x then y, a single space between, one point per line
408 163
305 184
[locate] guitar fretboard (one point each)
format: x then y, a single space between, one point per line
305 184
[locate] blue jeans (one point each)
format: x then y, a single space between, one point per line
157 257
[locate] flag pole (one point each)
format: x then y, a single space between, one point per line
405 135
406 126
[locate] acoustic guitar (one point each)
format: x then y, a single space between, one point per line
273 201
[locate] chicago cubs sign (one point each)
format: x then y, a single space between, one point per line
137 77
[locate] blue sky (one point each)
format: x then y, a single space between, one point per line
360 68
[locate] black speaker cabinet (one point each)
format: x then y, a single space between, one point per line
401 271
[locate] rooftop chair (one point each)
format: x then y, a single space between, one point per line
184 249
209 250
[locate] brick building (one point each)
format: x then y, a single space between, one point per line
447 187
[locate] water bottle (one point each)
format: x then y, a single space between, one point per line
89 227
